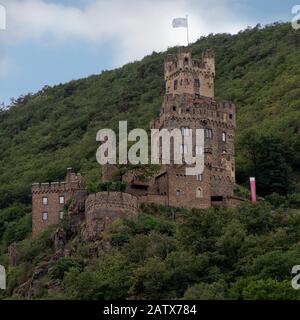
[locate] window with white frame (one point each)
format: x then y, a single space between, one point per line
45 216
61 215
61 200
45 201
208 133
224 137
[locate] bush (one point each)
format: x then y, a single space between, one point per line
63 265
17 230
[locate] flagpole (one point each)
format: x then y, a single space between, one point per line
187 30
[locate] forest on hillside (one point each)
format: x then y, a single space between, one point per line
244 253
42 134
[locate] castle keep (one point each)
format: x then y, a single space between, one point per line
188 104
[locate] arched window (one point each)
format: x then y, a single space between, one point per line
199 193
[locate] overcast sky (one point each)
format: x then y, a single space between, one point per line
49 41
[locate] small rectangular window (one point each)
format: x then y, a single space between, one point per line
61 200
45 201
61 215
45 216
200 177
178 192
208 133
175 84
224 136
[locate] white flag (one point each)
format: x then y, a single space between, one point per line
180 23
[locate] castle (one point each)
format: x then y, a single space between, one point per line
188 104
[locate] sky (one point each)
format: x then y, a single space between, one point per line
47 42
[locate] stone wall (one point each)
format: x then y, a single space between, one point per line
103 207
154 199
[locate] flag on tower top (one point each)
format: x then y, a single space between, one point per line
180 23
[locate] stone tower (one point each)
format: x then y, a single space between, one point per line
48 200
189 104
191 76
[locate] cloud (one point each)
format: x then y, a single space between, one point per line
135 28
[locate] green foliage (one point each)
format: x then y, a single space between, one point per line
206 291
268 289
107 279
17 230
106 186
63 265
211 254
242 253
35 250
145 223
267 162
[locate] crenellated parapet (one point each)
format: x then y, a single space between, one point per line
53 187
184 74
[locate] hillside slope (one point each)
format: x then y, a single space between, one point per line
43 134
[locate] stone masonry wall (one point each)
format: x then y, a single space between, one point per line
103 207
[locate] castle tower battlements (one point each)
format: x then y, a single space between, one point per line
49 199
183 74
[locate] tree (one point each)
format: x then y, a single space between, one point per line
206 291
268 163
